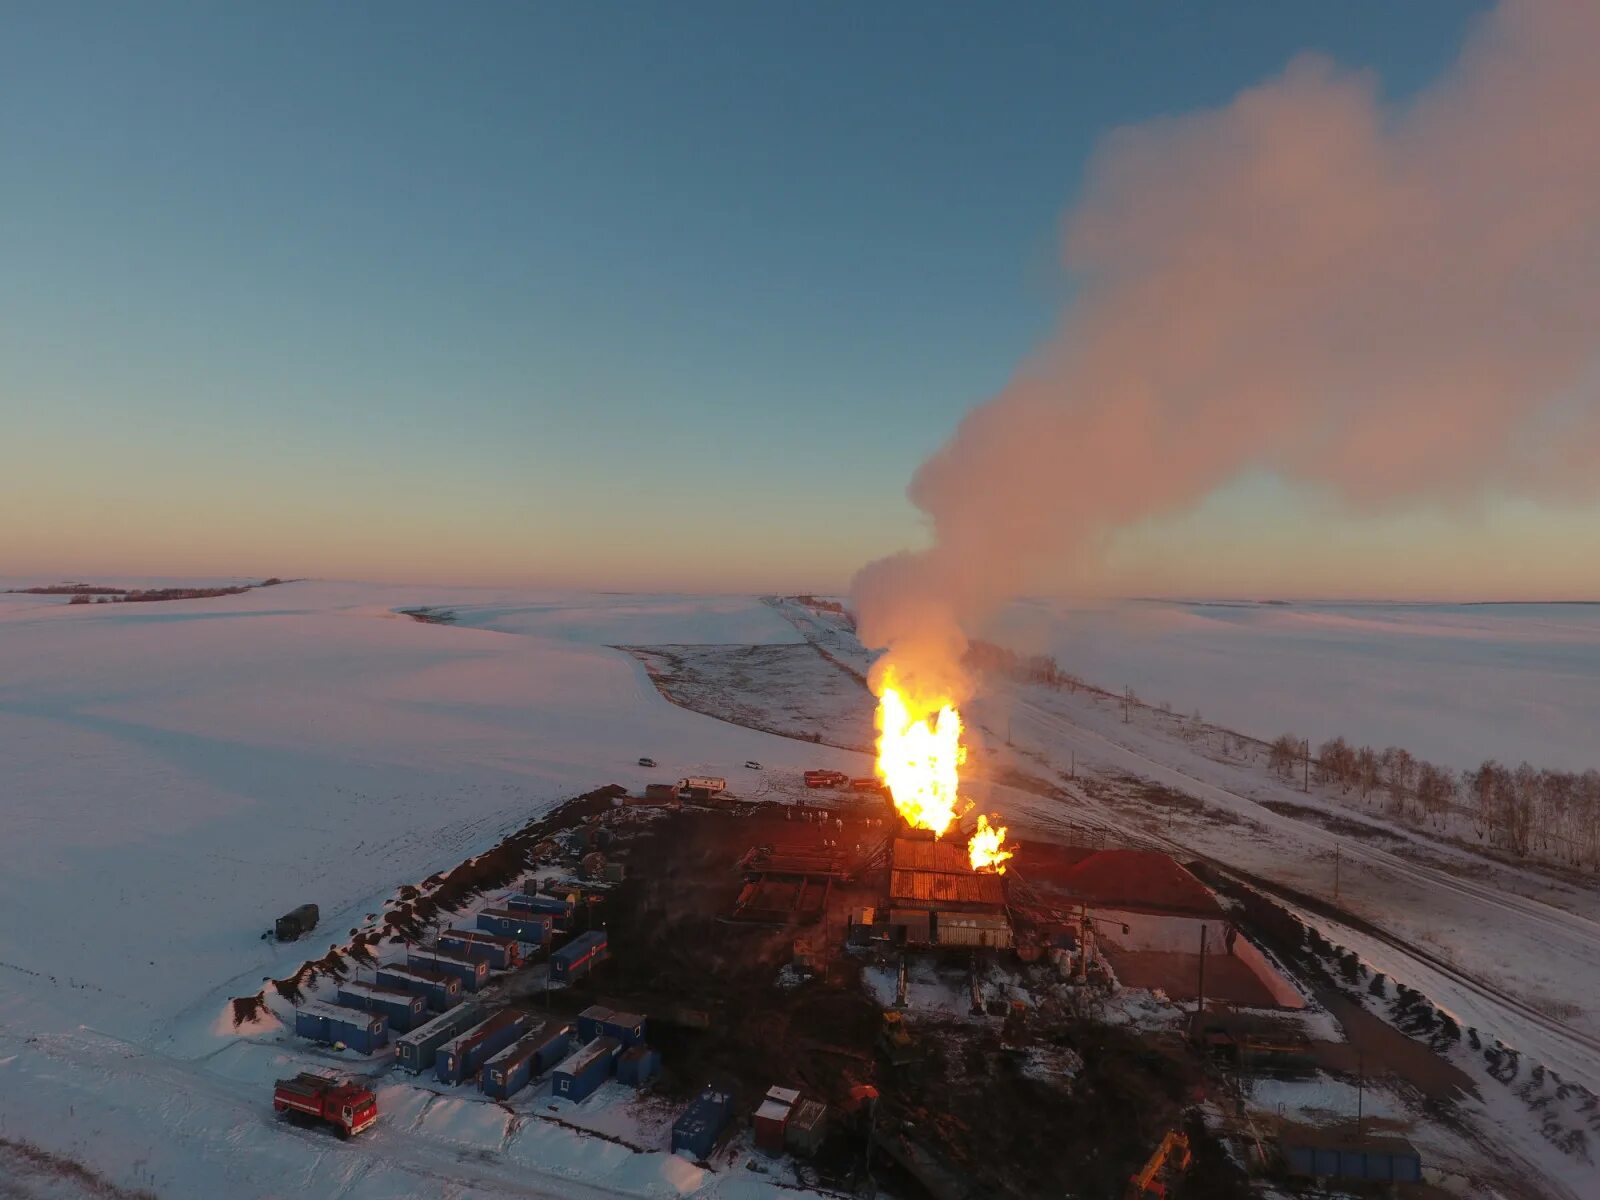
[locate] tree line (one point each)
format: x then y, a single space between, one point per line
1526 810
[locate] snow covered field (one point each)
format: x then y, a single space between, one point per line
1452 683
177 774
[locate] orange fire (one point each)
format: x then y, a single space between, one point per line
987 850
920 757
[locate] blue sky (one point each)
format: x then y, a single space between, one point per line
632 295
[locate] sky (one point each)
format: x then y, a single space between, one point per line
617 295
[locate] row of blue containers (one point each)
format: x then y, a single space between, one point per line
520 924
366 1032
473 972
1387 1160
599 1021
501 953
577 1076
405 1010
579 956
417 1050
460 1059
508 1072
439 990
702 1123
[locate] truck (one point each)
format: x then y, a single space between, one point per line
701 787
826 779
347 1106
297 922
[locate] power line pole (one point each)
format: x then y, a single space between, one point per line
1305 786
1336 870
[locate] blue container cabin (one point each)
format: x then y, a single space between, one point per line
599 1021
364 1032
1385 1160
702 1123
441 991
591 1022
561 908
473 972
639 1065
460 1059
404 1010
628 1028
417 1050
508 1072
555 1044
579 956
501 953
531 927
585 1069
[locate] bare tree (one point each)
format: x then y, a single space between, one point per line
1366 770
1435 787
1399 776
1336 763
1521 802
1587 801
1483 788
1283 755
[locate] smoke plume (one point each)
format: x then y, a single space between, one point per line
1401 306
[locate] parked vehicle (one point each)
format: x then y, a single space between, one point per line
297 922
752 764
701 787
647 762
826 779
346 1106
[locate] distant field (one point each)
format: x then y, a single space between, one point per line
1454 683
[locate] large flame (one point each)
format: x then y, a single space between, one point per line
920 756
987 849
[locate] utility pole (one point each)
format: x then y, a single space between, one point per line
1200 1001
1305 785
1127 695
1073 770
1336 870
1361 1087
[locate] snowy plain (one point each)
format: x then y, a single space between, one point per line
1452 683
178 773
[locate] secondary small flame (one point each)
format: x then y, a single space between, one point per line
987 850
920 756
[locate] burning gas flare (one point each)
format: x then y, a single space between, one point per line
987 849
920 757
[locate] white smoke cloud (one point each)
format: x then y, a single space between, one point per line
1399 306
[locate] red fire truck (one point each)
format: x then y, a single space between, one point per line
348 1107
824 779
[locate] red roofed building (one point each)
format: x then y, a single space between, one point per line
1145 900
1140 881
